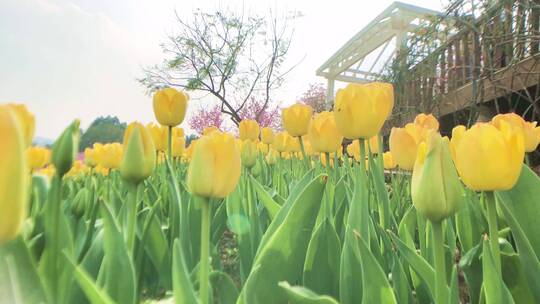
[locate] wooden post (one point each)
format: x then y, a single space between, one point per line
330 94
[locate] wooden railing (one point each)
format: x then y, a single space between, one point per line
505 34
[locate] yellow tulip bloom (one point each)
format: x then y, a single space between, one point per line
427 121
281 141
159 136
388 161
404 143
531 133
296 119
249 129
293 145
170 106
112 155
323 133
488 158
38 157
214 169
27 121
14 180
139 157
267 135
361 109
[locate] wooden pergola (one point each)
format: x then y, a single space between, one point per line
365 55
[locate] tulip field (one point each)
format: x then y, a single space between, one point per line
325 211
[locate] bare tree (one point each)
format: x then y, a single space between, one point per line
233 57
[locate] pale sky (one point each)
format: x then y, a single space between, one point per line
69 59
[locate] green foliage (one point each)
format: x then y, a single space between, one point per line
103 130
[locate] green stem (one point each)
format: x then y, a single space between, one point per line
329 173
132 217
169 145
440 265
205 251
491 205
55 202
306 160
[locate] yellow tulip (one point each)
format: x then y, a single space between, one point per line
14 180
170 106
190 149
214 169
361 109
435 186
249 153
112 155
139 157
78 169
403 145
27 121
323 133
159 136
308 147
90 157
488 158
48 171
293 145
38 157
249 129
427 121
296 119
281 141
267 135
178 146
531 133
210 129
388 161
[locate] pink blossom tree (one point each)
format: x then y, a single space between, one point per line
267 115
315 96
206 117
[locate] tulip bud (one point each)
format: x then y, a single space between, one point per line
27 121
272 157
296 119
13 175
249 129
263 148
170 106
178 146
256 170
488 158
361 109
435 187
323 133
65 149
267 135
214 169
139 158
249 153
